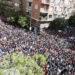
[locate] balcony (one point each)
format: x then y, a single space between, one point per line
42 10
51 19
45 2
43 19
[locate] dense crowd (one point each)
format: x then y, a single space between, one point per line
18 39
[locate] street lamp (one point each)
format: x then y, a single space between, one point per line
30 19
30 28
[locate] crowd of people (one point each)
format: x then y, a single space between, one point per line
18 39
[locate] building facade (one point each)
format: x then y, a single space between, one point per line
45 11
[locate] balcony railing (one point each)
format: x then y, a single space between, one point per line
42 10
43 19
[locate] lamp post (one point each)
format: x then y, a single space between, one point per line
30 18
30 28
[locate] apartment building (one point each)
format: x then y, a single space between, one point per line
45 11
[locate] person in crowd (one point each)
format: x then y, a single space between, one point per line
19 39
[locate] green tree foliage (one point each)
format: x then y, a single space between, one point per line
59 23
10 12
25 64
30 72
11 19
9 74
16 17
21 68
72 20
17 14
5 64
40 58
46 55
2 7
22 21
1 71
1 1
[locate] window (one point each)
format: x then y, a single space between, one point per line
50 16
52 0
66 2
57 2
45 7
55 15
62 1
30 4
63 15
59 16
36 6
51 8
47 1
35 14
58 8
